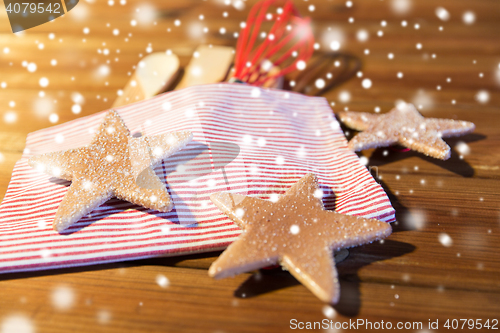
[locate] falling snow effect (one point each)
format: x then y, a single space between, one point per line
294 229
195 30
329 312
497 74
16 324
31 67
401 7
335 45
63 298
415 219
53 118
462 148
103 71
320 83
482 96
301 65
103 317
10 117
145 14
362 35
44 82
255 93
469 17
45 106
442 13
423 100
363 160
80 13
162 281
445 239
76 109
332 38
344 96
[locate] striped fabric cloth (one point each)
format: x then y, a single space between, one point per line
247 140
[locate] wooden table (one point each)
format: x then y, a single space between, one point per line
411 277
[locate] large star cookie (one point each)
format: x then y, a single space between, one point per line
114 164
406 126
295 231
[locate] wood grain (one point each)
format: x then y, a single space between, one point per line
410 277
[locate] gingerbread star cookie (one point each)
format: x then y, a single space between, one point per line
114 164
296 232
406 126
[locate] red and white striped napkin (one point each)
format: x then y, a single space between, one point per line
248 140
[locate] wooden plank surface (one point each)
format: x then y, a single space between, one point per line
411 277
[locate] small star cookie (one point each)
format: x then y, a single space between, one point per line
114 164
296 232
406 126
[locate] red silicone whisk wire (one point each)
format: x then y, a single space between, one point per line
288 28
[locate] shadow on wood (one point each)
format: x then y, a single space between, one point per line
454 164
350 297
269 280
265 281
401 210
160 261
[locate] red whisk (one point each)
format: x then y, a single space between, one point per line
287 46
